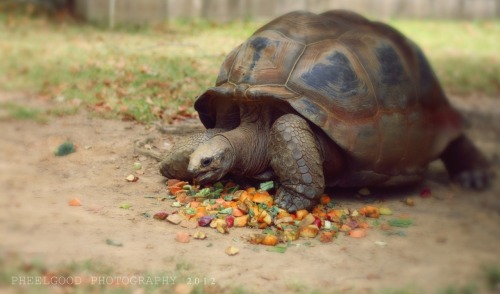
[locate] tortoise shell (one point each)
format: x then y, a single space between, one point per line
369 88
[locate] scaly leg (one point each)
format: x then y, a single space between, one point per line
296 159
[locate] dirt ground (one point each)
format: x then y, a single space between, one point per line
456 233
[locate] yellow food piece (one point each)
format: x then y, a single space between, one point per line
309 231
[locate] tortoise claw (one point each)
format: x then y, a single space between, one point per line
474 179
292 201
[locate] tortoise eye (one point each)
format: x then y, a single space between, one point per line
206 162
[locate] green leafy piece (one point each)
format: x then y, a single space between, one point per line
268 231
400 222
277 248
203 192
217 193
267 185
273 210
114 243
190 211
218 186
187 187
331 204
176 204
65 149
228 210
233 189
228 197
125 205
263 206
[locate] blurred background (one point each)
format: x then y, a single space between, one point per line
148 60
131 11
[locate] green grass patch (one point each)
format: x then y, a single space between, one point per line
150 73
19 112
464 54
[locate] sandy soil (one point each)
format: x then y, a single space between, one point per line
455 233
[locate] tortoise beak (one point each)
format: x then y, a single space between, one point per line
207 176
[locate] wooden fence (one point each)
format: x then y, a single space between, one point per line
154 11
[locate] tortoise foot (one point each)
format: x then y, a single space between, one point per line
466 165
473 179
292 201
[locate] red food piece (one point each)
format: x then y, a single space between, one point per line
160 215
205 221
317 222
230 221
425 193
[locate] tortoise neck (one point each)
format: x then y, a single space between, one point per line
250 142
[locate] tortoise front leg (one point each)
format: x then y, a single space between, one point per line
296 159
175 164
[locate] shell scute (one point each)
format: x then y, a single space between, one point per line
266 58
331 76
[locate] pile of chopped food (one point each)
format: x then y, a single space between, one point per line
225 206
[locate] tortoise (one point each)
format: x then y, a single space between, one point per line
326 100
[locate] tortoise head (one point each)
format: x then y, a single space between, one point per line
212 160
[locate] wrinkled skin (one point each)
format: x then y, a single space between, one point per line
175 164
